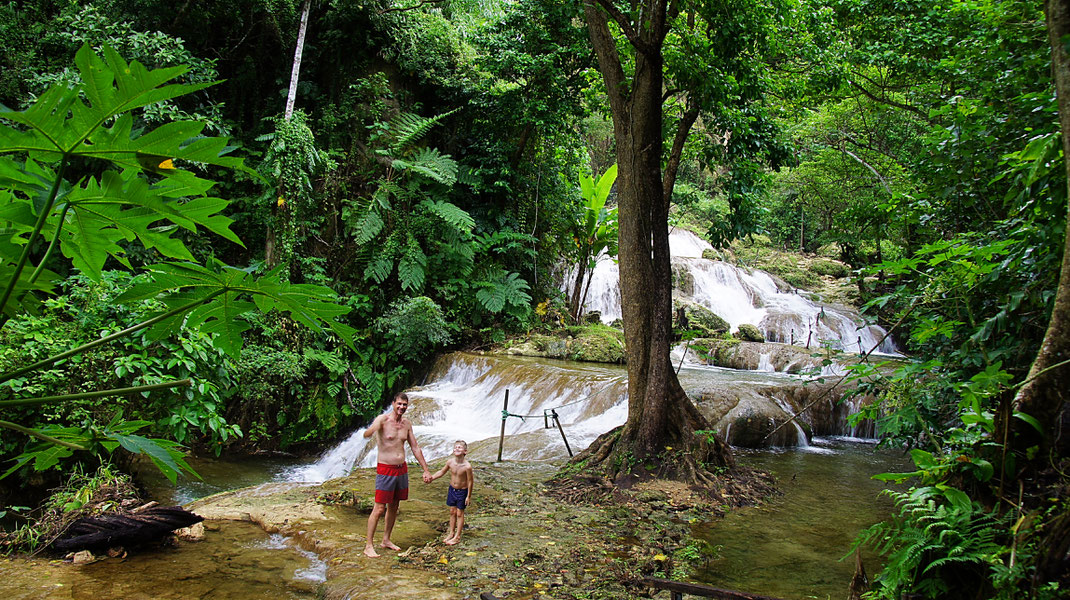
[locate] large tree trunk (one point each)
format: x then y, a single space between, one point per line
1045 395
660 414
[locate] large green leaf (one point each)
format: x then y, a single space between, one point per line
219 298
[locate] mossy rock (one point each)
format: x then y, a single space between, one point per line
542 342
699 317
593 317
712 254
749 333
597 343
830 268
683 280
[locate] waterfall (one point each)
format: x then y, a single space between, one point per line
741 296
465 393
799 431
464 400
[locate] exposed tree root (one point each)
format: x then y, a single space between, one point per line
608 468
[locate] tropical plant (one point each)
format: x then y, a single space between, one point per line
937 549
415 175
597 234
79 177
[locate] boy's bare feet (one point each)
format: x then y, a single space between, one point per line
370 552
390 545
452 541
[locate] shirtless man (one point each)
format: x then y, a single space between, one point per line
392 478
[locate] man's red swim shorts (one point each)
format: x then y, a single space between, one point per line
391 483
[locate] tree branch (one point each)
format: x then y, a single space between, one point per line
605 47
97 394
672 167
889 102
622 22
39 435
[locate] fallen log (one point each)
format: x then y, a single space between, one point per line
679 588
131 529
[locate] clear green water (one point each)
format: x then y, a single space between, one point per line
791 546
236 561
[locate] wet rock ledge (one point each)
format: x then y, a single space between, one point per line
518 542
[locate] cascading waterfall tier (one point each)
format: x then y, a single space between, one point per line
465 394
741 296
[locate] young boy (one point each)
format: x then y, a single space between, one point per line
460 492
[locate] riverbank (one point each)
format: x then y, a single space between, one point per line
519 542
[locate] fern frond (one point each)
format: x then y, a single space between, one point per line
412 267
379 269
432 164
457 218
504 288
366 227
409 128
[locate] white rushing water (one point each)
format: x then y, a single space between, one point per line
465 394
464 400
741 296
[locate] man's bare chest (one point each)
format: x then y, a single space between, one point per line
393 431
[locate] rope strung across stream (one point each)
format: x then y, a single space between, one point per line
506 414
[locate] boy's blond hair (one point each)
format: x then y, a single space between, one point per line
463 443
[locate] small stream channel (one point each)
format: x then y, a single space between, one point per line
791 546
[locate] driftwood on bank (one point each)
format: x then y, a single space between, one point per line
130 529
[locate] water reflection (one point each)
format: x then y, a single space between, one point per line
236 561
791 546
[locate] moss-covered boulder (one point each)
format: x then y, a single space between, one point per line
698 317
683 280
596 343
712 254
592 343
749 333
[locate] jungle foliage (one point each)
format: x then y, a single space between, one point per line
425 192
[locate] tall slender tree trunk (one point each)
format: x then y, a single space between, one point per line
280 211
295 72
1045 395
575 304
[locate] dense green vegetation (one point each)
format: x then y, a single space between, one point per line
425 192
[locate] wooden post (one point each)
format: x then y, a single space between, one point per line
501 438
557 421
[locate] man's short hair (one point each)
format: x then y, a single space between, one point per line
463 443
401 396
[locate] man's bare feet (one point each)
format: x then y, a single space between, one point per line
390 545
370 552
452 541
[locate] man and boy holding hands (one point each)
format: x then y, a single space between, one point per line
392 479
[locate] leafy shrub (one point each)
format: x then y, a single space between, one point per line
939 549
416 326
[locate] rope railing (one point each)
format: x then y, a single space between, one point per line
547 414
